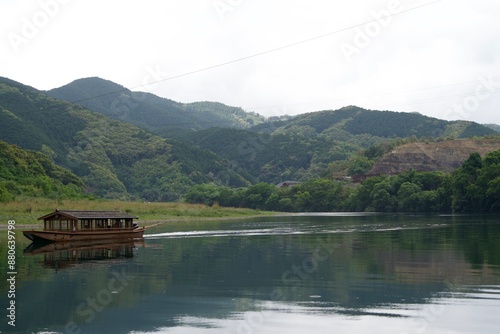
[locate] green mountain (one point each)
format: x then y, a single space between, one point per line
33 174
384 124
113 158
494 127
114 151
271 150
302 147
156 114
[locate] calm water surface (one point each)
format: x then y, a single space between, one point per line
337 273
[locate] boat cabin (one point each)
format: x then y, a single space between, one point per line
74 221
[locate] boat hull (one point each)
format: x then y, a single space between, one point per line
55 236
36 248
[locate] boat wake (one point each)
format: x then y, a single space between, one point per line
282 231
241 233
221 233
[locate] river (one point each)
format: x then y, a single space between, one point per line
305 273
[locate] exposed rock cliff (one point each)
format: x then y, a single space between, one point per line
443 156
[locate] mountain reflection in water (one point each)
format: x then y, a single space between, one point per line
296 274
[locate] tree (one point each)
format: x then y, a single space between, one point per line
286 204
203 194
381 200
485 181
257 195
466 195
381 196
360 199
428 180
424 201
405 199
360 166
444 195
303 201
272 202
493 194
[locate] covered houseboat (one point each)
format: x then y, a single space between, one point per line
70 225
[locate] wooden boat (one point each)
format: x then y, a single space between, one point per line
71 225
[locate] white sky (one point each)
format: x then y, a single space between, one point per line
440 59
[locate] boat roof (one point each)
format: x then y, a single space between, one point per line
94 214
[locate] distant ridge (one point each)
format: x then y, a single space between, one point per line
138 145
151 112
494 127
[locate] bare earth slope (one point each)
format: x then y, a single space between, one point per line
438 156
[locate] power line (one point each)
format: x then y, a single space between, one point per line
380 94
440 98
256 54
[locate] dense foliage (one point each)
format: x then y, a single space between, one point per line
33 174
475 187
306 146
114 159
117 159
298 148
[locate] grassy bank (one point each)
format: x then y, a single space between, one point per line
27 211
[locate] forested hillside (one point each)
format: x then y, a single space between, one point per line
33 174
297 148
114 151
386 124
159 115
114 159
303 147
474 187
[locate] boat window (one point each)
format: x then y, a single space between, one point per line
64 225
56 224
85 224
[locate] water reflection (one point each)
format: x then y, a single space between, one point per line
463 312
62 255
353 274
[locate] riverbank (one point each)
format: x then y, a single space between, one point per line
26 213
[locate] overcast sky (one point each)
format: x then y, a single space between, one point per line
274 57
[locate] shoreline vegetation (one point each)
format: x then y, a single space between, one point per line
472 188
26 212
